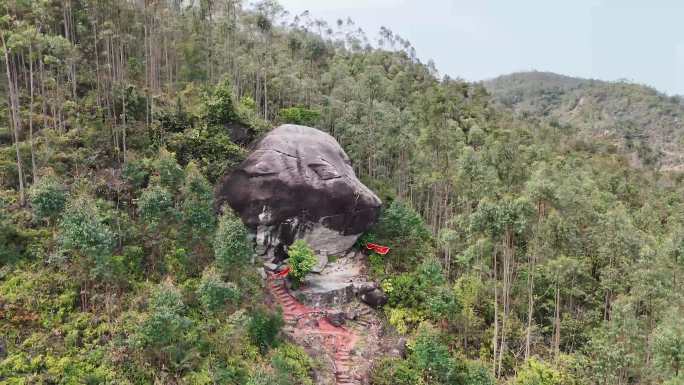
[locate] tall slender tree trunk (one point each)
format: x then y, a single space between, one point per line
530 305
495 337
14 114
556 320
34 174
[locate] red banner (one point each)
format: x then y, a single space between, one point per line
382 250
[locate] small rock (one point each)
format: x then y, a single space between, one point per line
374 298
336 318
3 350
270 266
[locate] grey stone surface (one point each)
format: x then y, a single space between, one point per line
334 286
270 266
298 183
322 262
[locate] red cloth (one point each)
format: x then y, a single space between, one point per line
382 250
282 274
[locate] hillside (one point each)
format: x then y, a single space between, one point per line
642 121
519 249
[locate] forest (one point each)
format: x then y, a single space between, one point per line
525 251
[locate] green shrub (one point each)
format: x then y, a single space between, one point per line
302 260
163 334
84 230
432 356
213 152
198 204
136 172
292 364
395 371
299 115
536 372
170 173
213 293
263 328
48 198
402 229
155 206
232 247
219 106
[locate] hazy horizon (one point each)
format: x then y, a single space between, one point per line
599 39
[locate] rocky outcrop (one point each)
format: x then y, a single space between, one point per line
298 183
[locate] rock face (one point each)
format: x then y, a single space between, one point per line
298 183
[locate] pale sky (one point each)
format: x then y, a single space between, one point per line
638 40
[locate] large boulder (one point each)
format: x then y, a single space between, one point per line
298 183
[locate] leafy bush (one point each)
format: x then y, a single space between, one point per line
535 372
219 106
263 328
163 333
136 172
12 242
403 229
302 260
432 357
214 293
299 115
84 230
292 364
214 153
170 173
48 198
232 246
394 371
156 205
198 204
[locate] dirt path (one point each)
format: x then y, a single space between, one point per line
337 340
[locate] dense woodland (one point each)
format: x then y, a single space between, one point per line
524 251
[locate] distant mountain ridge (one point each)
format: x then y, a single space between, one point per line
644 122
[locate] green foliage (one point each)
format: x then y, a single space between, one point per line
197 208
136 172
394 371
170 173
519 177
156 206
302 259
11 240
219 106
214 153
213 293
293 366
401 228
48 198
163 334
299 115
535 372
232 247
432 357
84 230
668 344
264 329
